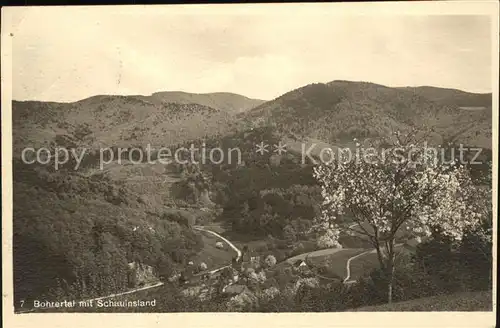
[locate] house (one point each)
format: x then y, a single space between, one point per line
175 277
235 277
300 264
255 259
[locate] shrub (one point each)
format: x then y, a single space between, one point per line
270 261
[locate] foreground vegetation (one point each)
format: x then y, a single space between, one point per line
441 275
469 301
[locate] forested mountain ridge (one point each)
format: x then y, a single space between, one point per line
163 118
338 111
335 112
114 121
453 97
225 101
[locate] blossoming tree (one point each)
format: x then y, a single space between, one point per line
396 192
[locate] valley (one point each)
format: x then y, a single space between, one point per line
229 236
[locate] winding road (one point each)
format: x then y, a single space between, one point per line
238 252
329 251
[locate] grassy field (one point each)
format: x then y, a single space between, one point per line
336 262
366 263
362 265
320 253
240 240
473 301
211 255
215 227
401 234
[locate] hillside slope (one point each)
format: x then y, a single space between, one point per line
453 97
77 234
335 112
114 120
339 111
224 101
473 301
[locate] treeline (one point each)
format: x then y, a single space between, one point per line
75 236
265 192
282 213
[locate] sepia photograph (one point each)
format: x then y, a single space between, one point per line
250 158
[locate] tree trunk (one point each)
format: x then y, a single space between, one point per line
380 258
389 285
390 270
386 256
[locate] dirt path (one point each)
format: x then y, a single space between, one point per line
329 251
348 265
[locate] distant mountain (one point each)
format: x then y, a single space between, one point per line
335 113
162 118
227 102
338 111
114 120
453 97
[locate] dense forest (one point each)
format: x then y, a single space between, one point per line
75 235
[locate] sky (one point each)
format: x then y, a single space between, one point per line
69 54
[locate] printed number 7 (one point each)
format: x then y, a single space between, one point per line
22 303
